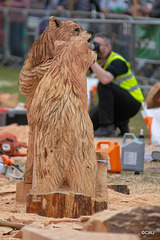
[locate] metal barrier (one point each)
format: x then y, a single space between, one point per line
122 28
2 33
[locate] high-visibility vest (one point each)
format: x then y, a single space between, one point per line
126 81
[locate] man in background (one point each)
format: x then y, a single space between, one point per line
120 97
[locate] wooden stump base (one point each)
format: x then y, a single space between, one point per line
22 189
62 204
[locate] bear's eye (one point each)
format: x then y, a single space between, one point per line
77 30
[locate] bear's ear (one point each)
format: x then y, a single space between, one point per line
54 21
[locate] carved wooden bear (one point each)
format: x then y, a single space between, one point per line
65 156
37 64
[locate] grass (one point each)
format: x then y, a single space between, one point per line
9 84
147 181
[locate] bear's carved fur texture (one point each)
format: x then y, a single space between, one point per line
42 52
37 64
65 156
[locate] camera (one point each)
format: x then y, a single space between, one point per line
94 46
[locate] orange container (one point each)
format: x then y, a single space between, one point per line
113 150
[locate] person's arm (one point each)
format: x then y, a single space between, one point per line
103 76
116 68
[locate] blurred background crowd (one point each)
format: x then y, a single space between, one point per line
19 20
144 7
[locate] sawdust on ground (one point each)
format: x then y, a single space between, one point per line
144 191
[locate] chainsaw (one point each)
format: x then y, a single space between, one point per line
8 167
10 145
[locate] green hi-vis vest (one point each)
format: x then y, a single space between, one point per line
127 80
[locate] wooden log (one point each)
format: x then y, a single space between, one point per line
8 100
30 232
22 189
101 186
61 151
11 224
153 97
64 204
120 188
143 221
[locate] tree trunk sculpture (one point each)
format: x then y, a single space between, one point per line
65 156
37 64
